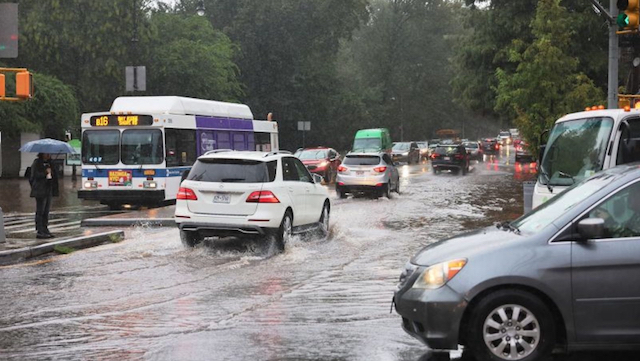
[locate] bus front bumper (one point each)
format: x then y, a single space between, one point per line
140 197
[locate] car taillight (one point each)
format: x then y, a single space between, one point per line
187 194
435 155
262 197
497 146
380 169
342 169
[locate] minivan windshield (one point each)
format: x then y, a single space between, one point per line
551 210
575 150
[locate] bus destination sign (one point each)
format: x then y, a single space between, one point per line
113 120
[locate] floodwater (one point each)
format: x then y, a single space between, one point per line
150 298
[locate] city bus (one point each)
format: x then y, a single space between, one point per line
581 144
135 154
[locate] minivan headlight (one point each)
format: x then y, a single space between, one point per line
439 274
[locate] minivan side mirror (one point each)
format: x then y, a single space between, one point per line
591 228
184 175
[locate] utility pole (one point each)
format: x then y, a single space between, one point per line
614 55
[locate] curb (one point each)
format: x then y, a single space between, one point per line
21 254
123 222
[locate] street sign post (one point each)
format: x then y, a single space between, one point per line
304 127
136 78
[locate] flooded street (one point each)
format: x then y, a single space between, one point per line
148 297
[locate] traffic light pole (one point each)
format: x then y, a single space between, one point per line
614 55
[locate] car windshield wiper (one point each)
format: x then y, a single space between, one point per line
508 226
567 175
198 177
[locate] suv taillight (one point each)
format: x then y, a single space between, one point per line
458 156
380 169
342 169
186 194
435 155
262 197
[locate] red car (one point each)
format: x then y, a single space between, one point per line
321 160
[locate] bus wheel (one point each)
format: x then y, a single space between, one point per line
114 206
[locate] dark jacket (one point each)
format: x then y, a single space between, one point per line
41 187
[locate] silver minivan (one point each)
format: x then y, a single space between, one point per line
566 274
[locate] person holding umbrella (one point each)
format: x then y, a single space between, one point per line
44 186
44 179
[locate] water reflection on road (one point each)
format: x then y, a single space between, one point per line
322 299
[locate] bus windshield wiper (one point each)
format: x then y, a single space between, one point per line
567 175
549 187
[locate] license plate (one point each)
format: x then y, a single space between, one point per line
360 172
120 178
221 198
447 158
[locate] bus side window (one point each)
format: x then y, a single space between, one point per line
629 145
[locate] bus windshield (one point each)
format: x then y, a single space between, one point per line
141 146
575 151
100 146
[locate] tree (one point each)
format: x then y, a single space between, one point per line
547 82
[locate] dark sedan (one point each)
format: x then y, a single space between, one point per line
490 146
565 274
408 152
450 157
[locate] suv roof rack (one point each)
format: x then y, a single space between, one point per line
218 151
276 152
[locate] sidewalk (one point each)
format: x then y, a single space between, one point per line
19 249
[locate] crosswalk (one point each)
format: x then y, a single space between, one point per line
24 225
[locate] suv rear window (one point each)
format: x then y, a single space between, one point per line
361 160
233 171
447 150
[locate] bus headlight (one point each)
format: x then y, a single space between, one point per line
150 184
90 184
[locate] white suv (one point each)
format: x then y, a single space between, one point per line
239 193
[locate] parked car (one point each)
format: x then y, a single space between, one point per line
475 151
450 157
321 160
522 152
490 146
565 274
408 152
238 193
372 173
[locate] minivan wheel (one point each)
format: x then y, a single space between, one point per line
283 235
190 238
511 325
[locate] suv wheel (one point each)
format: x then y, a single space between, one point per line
324 221
511 325
190 238
341 193
398 186
283 234
387 190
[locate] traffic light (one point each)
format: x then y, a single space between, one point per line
8 30
629 16
3 92
24 85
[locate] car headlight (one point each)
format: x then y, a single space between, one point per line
439 274
405 153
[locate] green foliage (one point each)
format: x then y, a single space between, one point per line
546 83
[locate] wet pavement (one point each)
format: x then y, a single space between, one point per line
148 297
